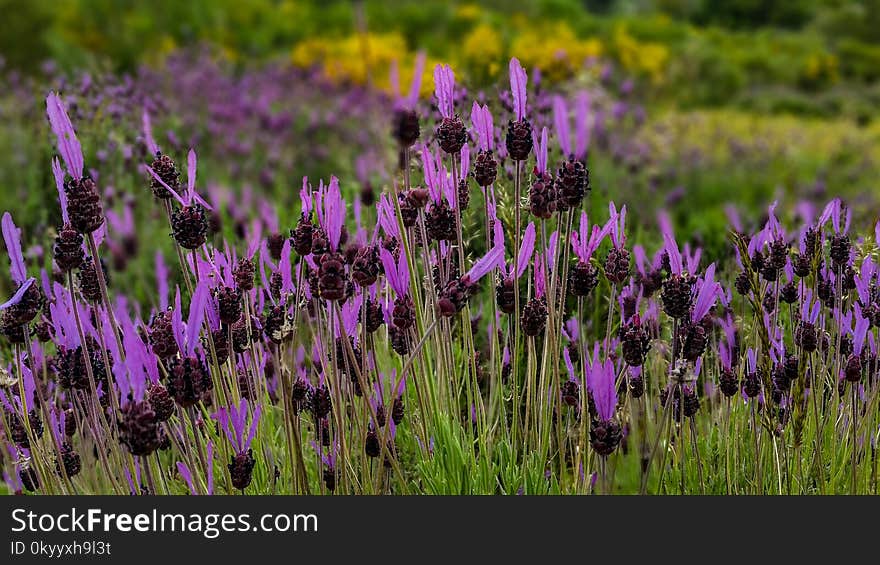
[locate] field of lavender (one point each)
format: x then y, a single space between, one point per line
264 279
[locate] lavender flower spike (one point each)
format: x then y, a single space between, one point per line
68 144
233 421
334 212
518 81
585 242
396 273
601 382
481 118
444 84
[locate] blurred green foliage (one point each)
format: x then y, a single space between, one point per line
714 52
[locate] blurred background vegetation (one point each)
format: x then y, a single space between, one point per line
803 57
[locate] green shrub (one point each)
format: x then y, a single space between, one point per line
859 60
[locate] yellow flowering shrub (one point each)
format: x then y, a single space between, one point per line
468 12
483 51
359 57
554 48
639 57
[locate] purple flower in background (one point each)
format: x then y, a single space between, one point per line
406 121
582 125
407 102
561 123
149 140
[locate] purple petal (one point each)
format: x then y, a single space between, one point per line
518 80
254 423
416 85
196 316
210 467
68 144
19 294
486 263
334 212
286 269
58 173
168 188
162 280
390 268
186 475
568 364
541 151
305 197
152 146
191 165
525 251
12 237
560 121
581 124
444 83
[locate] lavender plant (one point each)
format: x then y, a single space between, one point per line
424 341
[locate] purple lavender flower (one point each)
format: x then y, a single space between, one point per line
233 422
605 432
617 262
451 132
519 132
504 292
583 276
518 81
68 144
542 193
